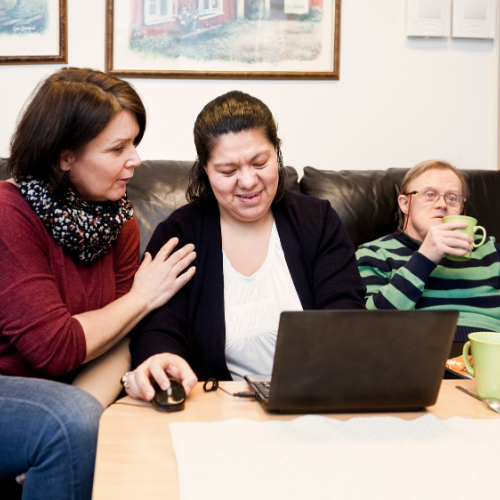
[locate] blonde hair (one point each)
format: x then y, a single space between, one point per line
422 167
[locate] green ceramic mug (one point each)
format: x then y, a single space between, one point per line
471 230
485 347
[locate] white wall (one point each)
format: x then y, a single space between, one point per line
398 100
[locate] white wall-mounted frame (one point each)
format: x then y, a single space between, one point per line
474 18
428 18
34 32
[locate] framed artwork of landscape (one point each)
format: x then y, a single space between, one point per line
258 39
33 32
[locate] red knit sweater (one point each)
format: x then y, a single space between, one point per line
42 287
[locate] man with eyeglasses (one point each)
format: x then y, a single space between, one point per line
408 270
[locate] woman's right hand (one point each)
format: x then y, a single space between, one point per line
159 367
158 280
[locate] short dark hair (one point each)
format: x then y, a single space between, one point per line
66 111
232 112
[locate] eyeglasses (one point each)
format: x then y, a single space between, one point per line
431 196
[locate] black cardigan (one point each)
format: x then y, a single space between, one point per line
318 253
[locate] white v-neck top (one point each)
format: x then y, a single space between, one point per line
252 307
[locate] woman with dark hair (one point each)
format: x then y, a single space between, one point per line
260 250
71 286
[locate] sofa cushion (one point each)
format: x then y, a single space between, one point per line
366 200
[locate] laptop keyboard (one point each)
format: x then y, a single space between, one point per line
263 388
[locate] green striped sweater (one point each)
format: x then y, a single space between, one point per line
397 276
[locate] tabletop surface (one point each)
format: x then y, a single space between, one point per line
135 458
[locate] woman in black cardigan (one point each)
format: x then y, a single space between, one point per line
260 250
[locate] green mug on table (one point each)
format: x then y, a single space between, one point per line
471 230
485 347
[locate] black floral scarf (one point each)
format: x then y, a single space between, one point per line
85 229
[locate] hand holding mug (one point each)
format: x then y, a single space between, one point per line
471 229
445 240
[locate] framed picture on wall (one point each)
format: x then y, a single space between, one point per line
258 39
33 32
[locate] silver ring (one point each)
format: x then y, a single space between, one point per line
124 379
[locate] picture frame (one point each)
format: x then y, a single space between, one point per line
33 32
218 39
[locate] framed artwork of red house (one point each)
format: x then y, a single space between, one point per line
281 39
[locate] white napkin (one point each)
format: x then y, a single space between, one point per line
315 457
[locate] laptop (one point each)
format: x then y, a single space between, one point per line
357 360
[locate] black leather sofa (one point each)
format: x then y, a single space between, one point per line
366 200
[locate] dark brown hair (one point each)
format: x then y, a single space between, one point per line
232 112
422 167
66 111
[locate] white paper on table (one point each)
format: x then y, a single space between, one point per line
314 457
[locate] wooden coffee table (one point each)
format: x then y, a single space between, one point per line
135 458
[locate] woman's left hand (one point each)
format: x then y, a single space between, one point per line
157 367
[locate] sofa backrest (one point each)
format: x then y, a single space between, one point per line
156 190
159 187
366 200
3 170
